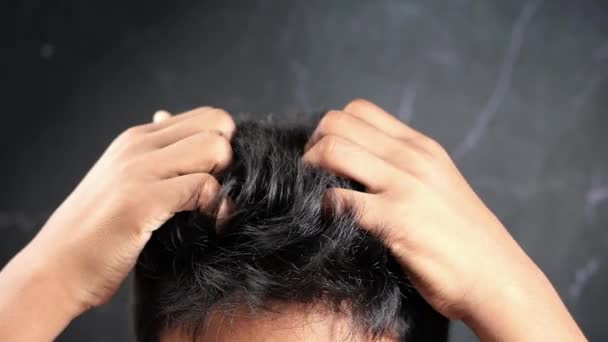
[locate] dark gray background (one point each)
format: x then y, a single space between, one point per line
516 90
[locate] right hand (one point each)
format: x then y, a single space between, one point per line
460 257
149 173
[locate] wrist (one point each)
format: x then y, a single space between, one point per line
50 271
36 301
530 311
51 265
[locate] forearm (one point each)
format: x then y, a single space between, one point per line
35 302
531 313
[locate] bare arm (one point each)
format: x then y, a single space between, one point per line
461 258
90 243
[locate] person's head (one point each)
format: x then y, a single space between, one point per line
283 267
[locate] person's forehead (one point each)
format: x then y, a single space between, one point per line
293 323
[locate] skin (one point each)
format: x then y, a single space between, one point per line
415 198
288 323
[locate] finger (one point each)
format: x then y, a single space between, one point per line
365 207
162 119
184 116
160 116
206 152
346 159
196 191
379 118
400 154
210 119
181 116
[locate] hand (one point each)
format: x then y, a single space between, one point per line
149 173
459 256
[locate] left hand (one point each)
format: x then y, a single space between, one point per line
461 258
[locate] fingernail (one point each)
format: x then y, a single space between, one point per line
224 212
160 115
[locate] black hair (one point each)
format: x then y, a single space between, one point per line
281 244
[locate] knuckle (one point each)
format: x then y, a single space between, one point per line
131 136
432 146
328 146
357 104
209 187
221 149
132 133
333 120
223 121
204 190
200 110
